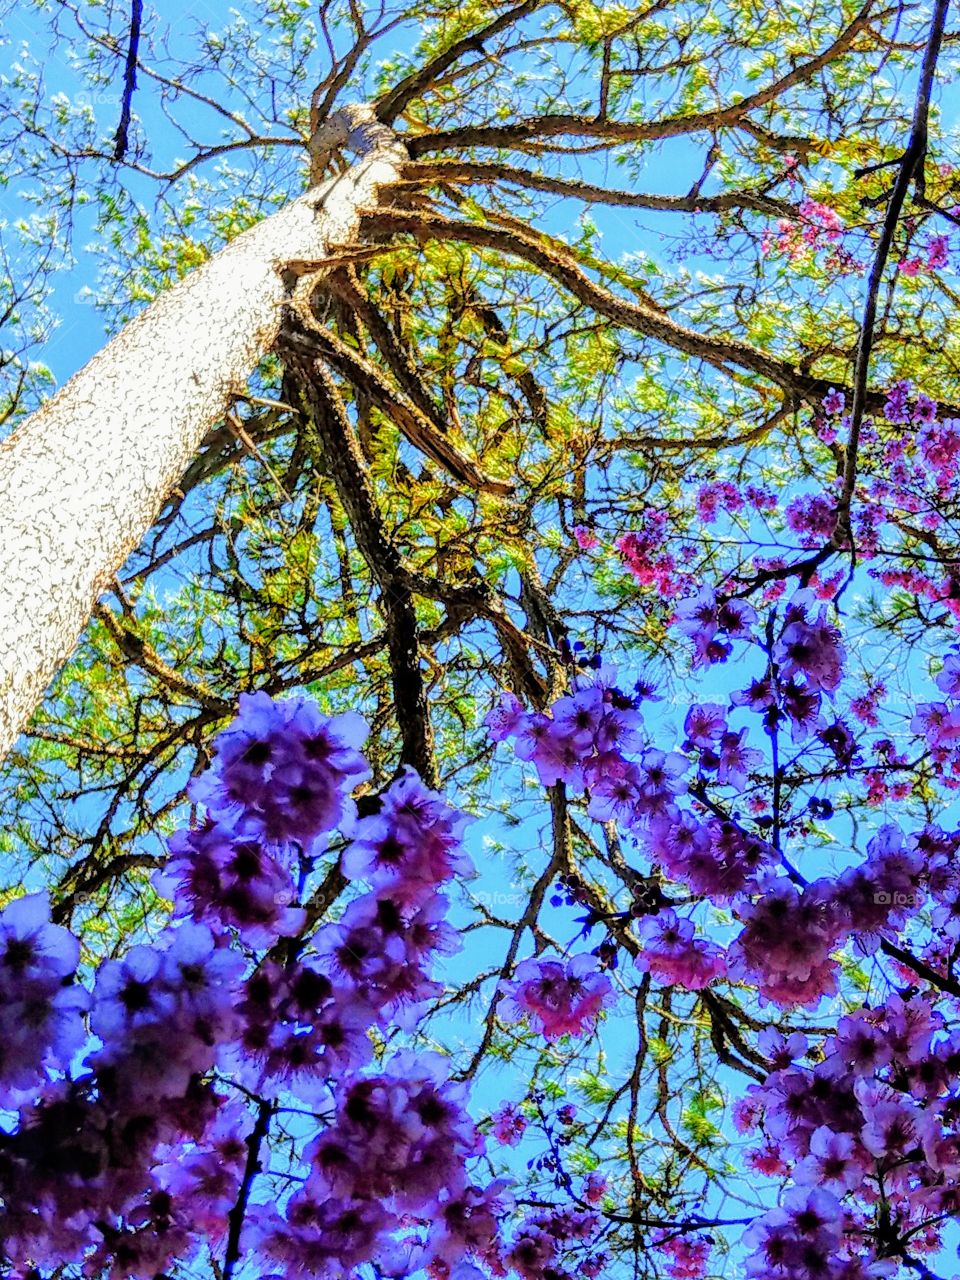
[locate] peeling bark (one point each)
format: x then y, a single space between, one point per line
85 477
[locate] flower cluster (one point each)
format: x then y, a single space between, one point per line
712 622
651 563
508 1125
591 740
395 1151
535 1250
287 769
871 1149
225 871
687 1254
717 858
580 742
144 1156
804 1239
809 647
934 257
817 226
717 496
875 1121
557 998
87 1172
674 956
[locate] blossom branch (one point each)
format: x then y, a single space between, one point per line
251 1169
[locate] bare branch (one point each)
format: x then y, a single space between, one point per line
129 80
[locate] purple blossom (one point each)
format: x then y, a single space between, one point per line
505 719
467 1221
710 622
890 1120
411 845
705 724
299 1030
896 408
674 956
786 942
948 680
938 254
226 874
925 410
508 1125
835 1162
736 760
833 402
718 859
286 768
615 788
860 1046
40 1007
165 1013
811 649
558 998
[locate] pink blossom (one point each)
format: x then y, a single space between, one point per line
672 954
508 1125
687 1254
937 252
558 998
594 1188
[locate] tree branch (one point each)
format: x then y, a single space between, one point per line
911 167
549 126
483 174
331 438
121 137
415 84
556 261
422 433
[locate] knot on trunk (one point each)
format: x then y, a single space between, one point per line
355 128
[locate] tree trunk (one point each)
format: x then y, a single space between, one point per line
85 477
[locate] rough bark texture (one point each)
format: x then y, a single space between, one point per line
84 478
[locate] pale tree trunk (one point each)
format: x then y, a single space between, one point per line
84 478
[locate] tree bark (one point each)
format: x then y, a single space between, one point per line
86 476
